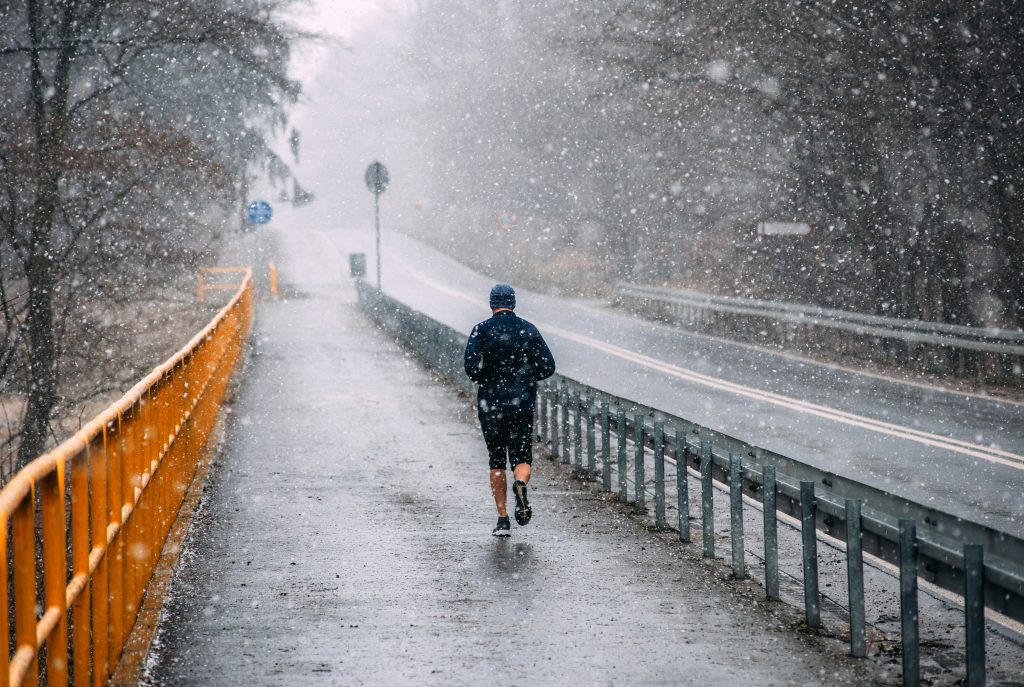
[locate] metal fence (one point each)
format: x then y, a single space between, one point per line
982 564
984 353
107 497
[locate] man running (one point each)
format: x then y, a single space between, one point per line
507 356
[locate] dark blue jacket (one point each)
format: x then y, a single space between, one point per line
507 356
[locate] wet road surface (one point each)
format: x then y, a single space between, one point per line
345 540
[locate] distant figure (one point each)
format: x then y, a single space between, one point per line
507 356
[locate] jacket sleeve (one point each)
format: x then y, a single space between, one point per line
472 359
541 360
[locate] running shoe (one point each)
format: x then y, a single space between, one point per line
503 528
523 510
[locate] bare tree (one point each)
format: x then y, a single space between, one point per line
892 128
124 124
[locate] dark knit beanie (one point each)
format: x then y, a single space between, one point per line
503 296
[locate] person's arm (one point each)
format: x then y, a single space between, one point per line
542 361
473 359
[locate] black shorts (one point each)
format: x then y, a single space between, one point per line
508 436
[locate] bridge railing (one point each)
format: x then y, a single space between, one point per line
924 542
985 353
89 518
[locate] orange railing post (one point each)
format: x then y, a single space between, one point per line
23 537
80 570
5 628
54 581
99 516
272 273
129 469
114 548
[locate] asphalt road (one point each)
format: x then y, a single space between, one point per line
958 452
345 539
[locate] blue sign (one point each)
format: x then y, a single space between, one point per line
259 212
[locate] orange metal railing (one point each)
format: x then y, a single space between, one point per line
205 273
128 469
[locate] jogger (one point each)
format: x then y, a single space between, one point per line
506 356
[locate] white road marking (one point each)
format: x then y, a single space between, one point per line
789 355
994 455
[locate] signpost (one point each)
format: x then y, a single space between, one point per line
377 181
259 212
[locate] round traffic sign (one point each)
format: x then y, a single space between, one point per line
259 212
507 220
377 178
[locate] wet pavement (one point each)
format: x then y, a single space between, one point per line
345 540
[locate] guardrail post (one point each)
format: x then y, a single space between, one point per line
682 456
620 436
855 578
565 423
808 516
771 534
908 603
736 515
543 431
577 429
639 447
606 450
707 500
974 613
553 419
591 449
659 475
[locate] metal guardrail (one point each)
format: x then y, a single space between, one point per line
924 542
803 311
984 352
112 492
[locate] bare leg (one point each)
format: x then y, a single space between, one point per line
499 485
523 510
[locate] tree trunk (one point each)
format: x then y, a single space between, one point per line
42 394
49 115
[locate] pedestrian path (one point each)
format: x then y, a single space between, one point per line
345 540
